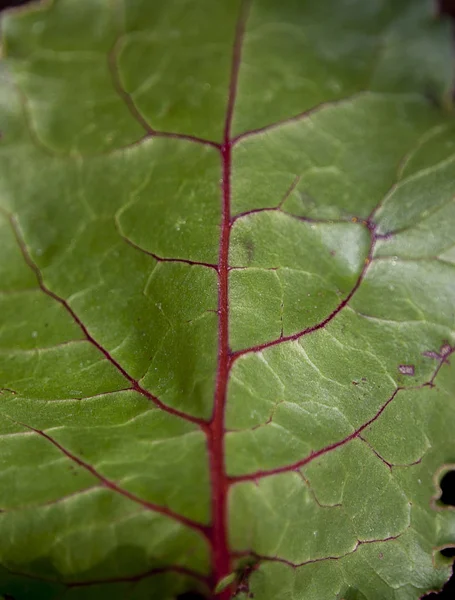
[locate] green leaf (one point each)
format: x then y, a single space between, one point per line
226 300
224 583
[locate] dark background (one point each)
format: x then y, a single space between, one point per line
445 7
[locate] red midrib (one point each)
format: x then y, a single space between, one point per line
221 565
219 480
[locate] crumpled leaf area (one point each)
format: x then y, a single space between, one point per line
226 300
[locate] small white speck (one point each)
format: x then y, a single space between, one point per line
34 334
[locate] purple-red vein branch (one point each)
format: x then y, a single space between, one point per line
163 510
442 359
134 384
264 558
135 112
321 324
125 579
296 118
140 576
286 195
313 455
162 259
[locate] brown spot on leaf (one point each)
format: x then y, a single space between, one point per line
407 370
249 247
243 579
446 349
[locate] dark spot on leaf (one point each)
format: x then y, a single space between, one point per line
448 552
433 96
249 247
243 578
447 485
307 200
355 382
406 369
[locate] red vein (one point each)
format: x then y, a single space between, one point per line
263 558
215 440
135 112
324 322
388 464
163 510
313 455
140 576
299 117
445 352
127 578
162 259
286 195
216 432
376 453
314 220
134 384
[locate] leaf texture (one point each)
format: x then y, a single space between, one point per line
226 300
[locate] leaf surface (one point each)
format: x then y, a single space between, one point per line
227 300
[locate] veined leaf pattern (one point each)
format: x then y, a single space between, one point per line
227 300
